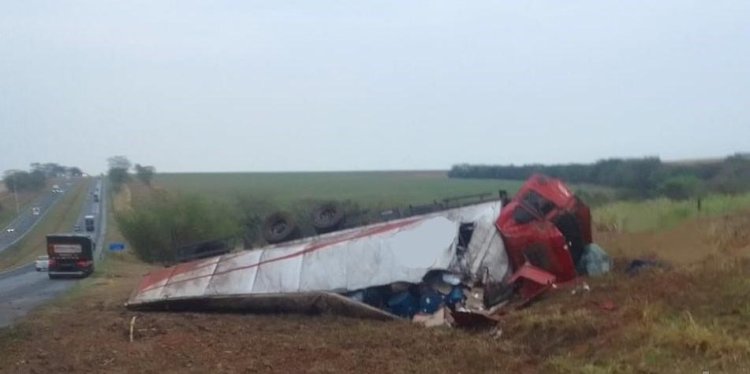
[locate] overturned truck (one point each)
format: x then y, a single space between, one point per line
470 259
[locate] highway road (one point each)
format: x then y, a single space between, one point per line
26 219
23 289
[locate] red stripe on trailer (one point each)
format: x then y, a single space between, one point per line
151 281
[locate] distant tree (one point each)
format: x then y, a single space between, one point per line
119 162
37 180
118 171
681 187
635 178
19 180
49 169
74 171
118 177
733 175
145 173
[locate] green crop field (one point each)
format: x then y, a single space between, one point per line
382 190
371 189
366 188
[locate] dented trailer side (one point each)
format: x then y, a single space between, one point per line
403 250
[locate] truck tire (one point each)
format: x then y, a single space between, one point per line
327 217
280 227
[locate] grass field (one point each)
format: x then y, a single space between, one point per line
652 324
370 189
659 214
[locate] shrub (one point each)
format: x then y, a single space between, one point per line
593 198
681 187
162 222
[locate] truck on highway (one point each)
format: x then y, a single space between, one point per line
70 255
89 223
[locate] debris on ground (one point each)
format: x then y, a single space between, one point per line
608 305
637 265
594 261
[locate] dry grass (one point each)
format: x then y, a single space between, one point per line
656 327
692 317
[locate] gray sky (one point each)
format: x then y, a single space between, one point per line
344 85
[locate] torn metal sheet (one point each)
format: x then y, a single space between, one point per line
303 303
397 251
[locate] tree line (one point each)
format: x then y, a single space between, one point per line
119 172
635 177
36 178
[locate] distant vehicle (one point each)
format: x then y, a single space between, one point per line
70 255
56 188
89 222
10 229
77 228
35 210
42 263
96 197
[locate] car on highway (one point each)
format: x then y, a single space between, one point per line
89 222
10 229
41 263
77 228
35 210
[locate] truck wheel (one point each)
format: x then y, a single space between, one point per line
280 227
327 217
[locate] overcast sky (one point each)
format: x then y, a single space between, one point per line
361 85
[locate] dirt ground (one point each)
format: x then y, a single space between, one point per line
689 317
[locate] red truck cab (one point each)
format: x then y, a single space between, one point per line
547 226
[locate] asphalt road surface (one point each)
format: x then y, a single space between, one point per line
23 289
26 219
